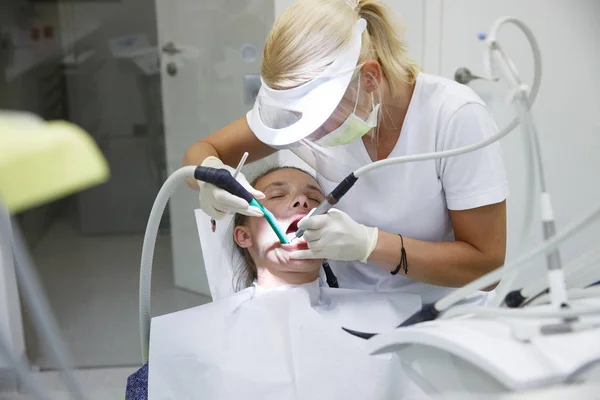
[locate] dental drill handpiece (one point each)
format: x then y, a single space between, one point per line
332 199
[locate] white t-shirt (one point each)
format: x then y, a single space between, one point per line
413 199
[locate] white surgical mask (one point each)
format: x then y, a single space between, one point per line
352 128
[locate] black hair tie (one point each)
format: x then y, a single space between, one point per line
403 260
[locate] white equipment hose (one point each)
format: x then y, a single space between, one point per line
531 140
494 276
430 156
150 235
531 137
508 281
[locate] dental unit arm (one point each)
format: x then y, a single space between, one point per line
498 64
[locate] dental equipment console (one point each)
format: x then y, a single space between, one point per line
496 57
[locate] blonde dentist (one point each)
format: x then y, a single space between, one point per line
340 91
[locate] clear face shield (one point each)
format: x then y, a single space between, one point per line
321 118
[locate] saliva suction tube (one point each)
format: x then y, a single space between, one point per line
224 180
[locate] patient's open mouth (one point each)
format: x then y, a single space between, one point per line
294 225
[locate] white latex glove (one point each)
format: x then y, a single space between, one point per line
336 236
217 203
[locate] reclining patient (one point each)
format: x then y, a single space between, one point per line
280 337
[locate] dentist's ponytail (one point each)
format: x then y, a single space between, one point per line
386 44
309 35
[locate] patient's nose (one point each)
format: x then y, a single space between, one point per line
300 201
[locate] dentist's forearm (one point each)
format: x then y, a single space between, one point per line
450 264
227 144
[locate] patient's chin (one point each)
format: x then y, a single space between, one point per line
304 265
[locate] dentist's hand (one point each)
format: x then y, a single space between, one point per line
336 236
217 202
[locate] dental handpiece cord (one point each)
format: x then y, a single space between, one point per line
340 190
430 156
